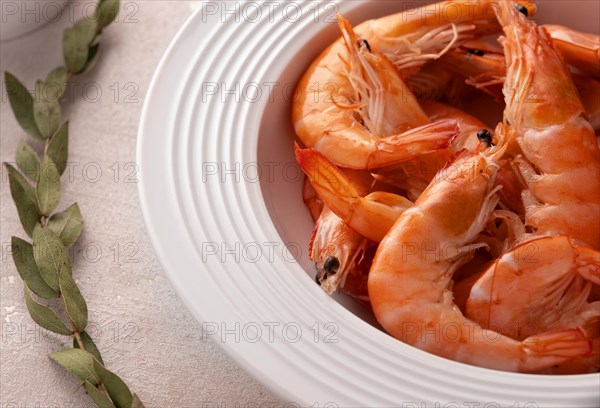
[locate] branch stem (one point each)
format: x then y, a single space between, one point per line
77 336
46 144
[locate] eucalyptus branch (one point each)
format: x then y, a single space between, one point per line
44 265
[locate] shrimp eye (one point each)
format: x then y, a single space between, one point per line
479 53
485 136
364 43
331 265
317 279
523 10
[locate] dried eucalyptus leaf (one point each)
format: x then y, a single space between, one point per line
100 399
46 110
44 316
116 388
78 362
21 103
27 161
106 12
67 224
58 148
92 58
23 195
76 42
48 187
50 255
137 402
22 254
88 345
74 301
56 82
27 188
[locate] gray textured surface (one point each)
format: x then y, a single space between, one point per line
144 332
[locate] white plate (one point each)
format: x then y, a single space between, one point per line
209 218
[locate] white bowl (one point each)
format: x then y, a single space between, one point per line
220 229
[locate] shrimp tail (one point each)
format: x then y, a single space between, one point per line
546 349
325 177
421 140
371 216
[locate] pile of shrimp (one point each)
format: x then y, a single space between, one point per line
478 244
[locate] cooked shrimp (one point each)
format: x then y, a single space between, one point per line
342 100
540 285
410 281
334 247
342 256
333 243
582 50
373 215
562 166
362 125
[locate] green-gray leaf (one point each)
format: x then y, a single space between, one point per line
50 255
78 362
48 187
76 42
27 161
137 402
74 302
58 148
56 82
106 12
46 110
88 345
22 104
27 188
44 316
92 58
67 224
100 399
116 388
23 195
22 254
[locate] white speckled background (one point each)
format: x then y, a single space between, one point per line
144 332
